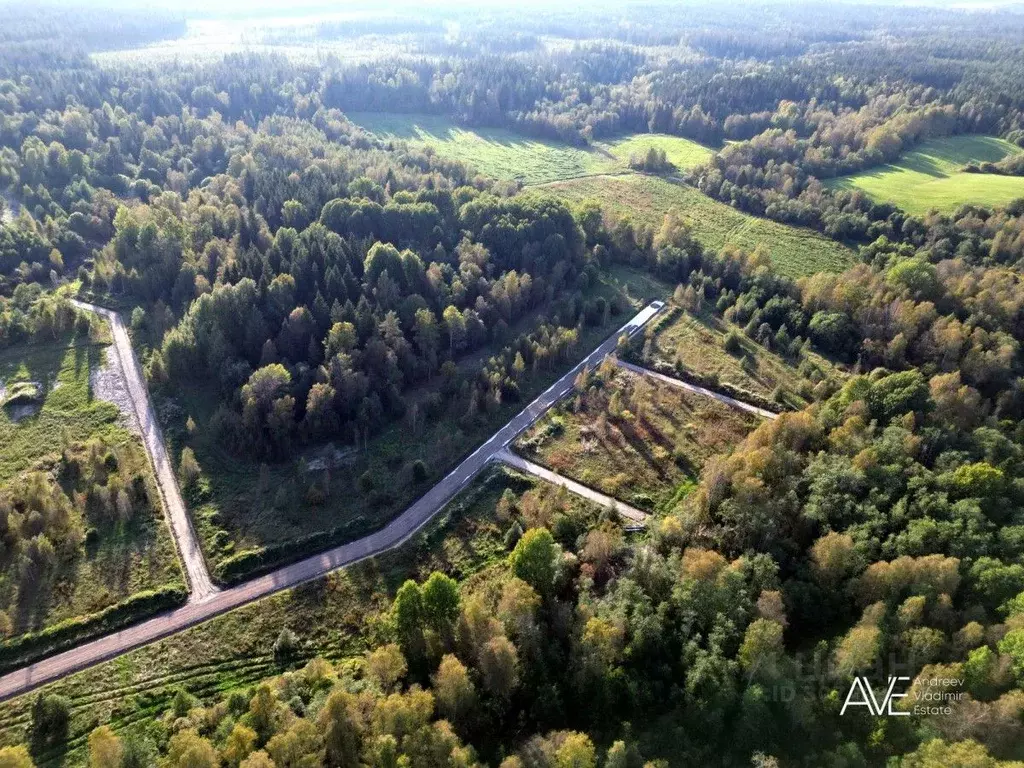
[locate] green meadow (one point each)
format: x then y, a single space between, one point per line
931 177
682 153
493 152
646 199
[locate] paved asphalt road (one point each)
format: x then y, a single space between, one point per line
394 534
200 584
699 390
514 460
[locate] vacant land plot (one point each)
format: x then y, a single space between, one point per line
335 617
697 343
83 522
682 153
646 200
239 506
635 439
491 151
931 176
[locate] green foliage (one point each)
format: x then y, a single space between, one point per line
533 559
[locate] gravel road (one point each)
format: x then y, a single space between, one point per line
121 355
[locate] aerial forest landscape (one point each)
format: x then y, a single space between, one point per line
399 385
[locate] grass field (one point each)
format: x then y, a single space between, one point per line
335 617
646 199
245 507
682 153
930 177
634 438
119 558
492 151
697 343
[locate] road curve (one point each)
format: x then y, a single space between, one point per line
730 401
514 460
200 584
394 534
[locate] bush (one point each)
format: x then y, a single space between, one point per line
732 343
286 646
51 717
419 471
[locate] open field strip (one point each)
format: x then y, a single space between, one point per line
931 177
646 199
200 585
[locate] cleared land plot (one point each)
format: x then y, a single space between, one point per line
493 152
931 176
635 439
682 153
63 457
646 200
697 343
240 506
335 617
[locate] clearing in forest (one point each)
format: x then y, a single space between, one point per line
646 199
634 438
682 153
251 515
494 152
932 176
82 519
716 350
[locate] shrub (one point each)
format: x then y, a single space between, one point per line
286 646
732 343
51 716
189 468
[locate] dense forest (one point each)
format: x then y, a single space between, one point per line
313 280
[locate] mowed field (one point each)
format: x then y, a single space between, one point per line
492 151
646 199
682 153
642 441
931 176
